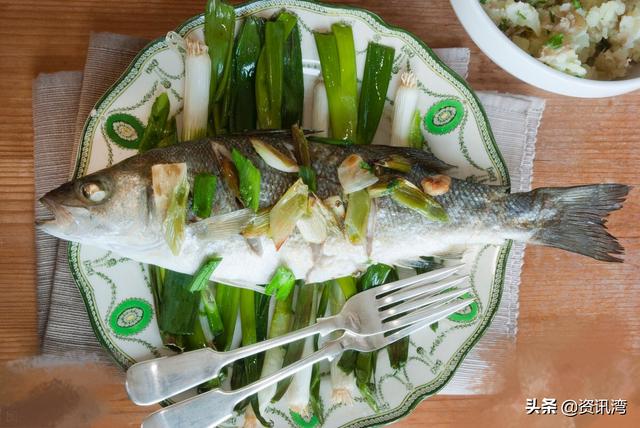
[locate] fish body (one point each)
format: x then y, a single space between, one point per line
114 209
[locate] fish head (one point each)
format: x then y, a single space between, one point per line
108 208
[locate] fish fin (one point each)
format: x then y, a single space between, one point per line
428 160
416 156
579 226
503 190
222 226
256 246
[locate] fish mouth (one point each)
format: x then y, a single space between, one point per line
58 214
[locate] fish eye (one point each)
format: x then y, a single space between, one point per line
93 192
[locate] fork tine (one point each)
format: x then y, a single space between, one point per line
430 314
421 301
411 329
435 275
420 289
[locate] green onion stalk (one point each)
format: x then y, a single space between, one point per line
270 76
342 378
280 287
249 180
338 62
155 129
304 315
315 401
293 84
228 299
373 93
197 69
179 309
298 394
365 365
245 60
399 351
208 323
204 192
219 28
405 128
254 310
170 135
306 172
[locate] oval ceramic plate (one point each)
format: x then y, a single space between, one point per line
117 290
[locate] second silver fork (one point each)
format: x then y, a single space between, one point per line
367 313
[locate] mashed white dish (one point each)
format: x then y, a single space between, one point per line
594 39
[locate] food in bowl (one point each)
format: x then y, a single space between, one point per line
594 39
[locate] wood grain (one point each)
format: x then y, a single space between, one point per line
580 141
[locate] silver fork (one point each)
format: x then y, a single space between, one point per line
366 313
216 406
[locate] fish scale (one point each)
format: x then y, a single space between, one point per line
569 218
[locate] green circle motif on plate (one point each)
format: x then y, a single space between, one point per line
467 314
124 129
131 316
444 116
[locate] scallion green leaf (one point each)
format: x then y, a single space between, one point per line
219 29
170 136
249 180
374 276
269 77
409 196
373 94
293 84
357 217
204 191
301 144
154 131
228 299
214 318
287 211
175 220
338 62
415 138
304 315
281 283
179 305
243 91
201 278
556 41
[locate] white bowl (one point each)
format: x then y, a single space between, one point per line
497 46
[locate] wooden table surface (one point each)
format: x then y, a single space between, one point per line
578 333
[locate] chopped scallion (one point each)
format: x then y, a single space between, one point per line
249 180
204 191
154 131
201 278
281 283
357 217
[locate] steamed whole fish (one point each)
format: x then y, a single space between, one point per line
114 209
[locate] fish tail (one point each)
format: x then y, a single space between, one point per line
578 224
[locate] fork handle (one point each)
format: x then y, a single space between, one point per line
152 381
216 406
